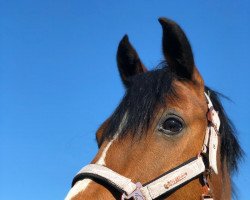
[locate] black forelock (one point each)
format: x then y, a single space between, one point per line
145 92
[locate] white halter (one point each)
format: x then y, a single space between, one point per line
171 179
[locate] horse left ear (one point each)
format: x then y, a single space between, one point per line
128 61
177 51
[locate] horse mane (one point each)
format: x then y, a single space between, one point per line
231 151
147 91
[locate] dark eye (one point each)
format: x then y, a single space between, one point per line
171 126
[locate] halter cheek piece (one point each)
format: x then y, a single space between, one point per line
177 177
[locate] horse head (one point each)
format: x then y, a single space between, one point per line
157 134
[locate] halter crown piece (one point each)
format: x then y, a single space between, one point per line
171 179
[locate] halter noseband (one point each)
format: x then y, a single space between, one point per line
170 180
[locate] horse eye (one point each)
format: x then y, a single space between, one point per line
171 126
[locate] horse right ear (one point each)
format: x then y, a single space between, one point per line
128 61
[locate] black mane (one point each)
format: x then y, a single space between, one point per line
231 151
146 92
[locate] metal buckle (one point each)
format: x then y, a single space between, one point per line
207 192
135 195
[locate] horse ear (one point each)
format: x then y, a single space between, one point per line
128 61
177 50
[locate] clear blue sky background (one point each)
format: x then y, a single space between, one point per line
59 81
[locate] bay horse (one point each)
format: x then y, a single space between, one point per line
169 138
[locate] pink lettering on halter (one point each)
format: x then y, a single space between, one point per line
175 180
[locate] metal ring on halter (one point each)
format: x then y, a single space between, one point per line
136 195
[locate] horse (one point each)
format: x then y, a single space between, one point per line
169 138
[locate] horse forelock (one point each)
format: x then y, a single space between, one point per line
147 91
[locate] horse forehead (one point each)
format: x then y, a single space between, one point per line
188 90
188 97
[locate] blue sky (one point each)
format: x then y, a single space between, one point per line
59 81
